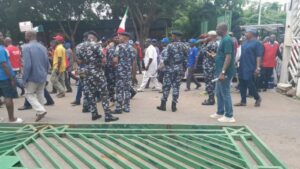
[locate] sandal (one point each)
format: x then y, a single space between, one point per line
40 116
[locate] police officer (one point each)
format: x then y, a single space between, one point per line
90 55
124 58
161 67
209 67
110 70
175 61
85 108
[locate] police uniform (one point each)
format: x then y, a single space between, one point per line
126 55
90 53
175 61
110 73
209 70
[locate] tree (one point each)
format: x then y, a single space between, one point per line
69 14
144 13
271 13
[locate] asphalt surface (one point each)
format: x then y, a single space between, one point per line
276 122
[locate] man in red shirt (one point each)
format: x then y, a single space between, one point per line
15 61
271 50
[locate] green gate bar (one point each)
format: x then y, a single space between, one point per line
130 146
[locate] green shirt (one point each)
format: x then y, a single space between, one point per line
225 47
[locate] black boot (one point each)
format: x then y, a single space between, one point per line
133 93
23 91
174 108
210 101
96 117
109 117
162 106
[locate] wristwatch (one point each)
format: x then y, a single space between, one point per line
223 71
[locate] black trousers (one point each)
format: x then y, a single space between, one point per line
248 84
266 77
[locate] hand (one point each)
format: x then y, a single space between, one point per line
115 61
257 72
222 77
104 60
213 54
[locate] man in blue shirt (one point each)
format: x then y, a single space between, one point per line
224 71
36 67
251 53
7 82
191 66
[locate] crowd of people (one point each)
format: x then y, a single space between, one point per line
106 71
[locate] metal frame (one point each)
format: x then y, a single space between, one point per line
42 146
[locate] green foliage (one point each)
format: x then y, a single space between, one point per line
271 13
186 15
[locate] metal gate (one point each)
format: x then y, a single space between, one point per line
294 63
132 146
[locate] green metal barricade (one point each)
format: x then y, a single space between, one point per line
42 146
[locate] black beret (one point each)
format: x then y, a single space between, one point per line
176 32
124 34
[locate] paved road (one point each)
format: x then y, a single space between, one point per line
276 122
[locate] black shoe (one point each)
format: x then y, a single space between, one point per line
264 90
109 118
75 103
257 102
240 104
198 86
96 117
133 93
49 104
85 110
69 91
126 110
162 106
117 112
209 102
25 108
174 108
23 92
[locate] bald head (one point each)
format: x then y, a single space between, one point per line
222 29
7 41
30 35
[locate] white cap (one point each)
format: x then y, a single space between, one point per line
212 33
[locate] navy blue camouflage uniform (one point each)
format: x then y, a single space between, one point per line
175 61
126 55
90 53
209 66
110 73
80 81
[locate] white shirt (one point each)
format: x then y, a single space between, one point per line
151 54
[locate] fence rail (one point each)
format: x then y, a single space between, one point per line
133 146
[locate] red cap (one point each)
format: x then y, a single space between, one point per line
59 38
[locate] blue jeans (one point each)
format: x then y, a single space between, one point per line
224 98
79 92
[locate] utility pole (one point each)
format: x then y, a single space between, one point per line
259 13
